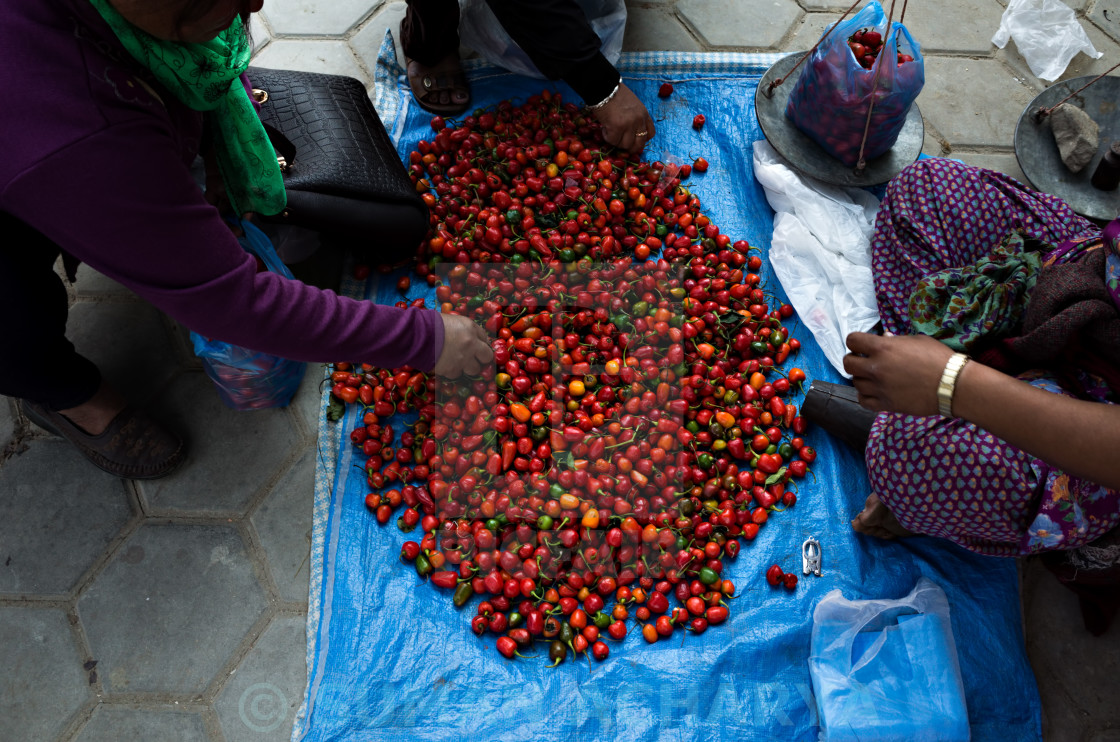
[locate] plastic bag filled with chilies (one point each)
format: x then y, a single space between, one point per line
830 99
247 379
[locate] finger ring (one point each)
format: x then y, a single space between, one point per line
642 133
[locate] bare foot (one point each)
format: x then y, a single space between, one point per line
876 520
96 414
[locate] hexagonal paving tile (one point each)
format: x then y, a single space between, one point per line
727 23
129 343
43 514
261 698
283 523
43 683
972 102
116 723
1055 635
656 29
170 608
931 145
327 57
231 454
367 41
308 402
835 8
926 23
1104 14
316 17
808 31
91 283
258 32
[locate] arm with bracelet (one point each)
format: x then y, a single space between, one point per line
558 38
917 375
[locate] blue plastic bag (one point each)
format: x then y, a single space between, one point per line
247 379
886 670
830 99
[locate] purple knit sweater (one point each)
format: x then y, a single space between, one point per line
96 156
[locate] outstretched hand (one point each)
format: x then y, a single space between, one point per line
896 373
626 122
465 347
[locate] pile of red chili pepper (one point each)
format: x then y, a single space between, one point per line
633 427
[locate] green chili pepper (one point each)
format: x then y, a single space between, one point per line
567 633
557 652
462 594
708 575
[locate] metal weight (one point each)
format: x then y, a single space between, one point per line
1038 155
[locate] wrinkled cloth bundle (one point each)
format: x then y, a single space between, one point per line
1016 310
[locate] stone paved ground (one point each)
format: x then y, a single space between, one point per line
174 610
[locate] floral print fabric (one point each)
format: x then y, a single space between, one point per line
982 301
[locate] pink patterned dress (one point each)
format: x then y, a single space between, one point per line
947 477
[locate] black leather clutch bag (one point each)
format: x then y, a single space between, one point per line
342 174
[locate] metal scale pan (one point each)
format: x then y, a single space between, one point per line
807 156
1038 153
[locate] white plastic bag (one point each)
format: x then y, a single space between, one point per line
821 251
1047 34
887 670
480 30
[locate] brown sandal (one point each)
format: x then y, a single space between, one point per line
446 76
133 446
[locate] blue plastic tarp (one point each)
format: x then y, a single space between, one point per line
390 658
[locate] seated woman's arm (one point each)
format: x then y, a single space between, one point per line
901 374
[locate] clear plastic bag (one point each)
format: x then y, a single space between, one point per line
480 30
247 379
1047 34
829 102
821 251
886 670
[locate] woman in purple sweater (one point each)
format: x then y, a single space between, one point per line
105 102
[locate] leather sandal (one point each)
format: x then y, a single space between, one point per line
446 76
133 446
836 408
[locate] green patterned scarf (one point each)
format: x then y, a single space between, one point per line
984 301
205 77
